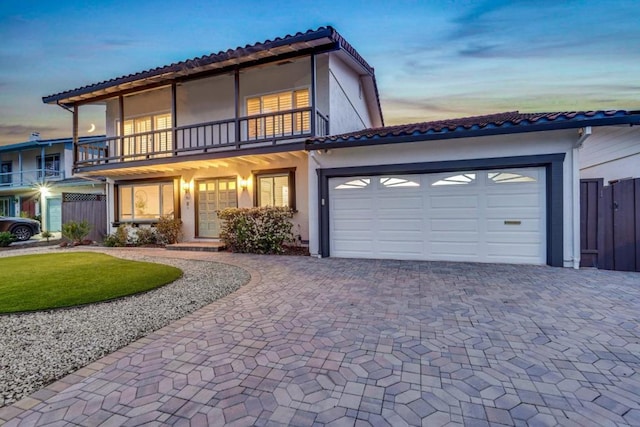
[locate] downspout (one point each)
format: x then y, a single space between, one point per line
583 133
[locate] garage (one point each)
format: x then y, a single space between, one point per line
496 215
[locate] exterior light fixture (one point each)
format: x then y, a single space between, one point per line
44 190
186 187
244 184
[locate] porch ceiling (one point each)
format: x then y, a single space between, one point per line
257 161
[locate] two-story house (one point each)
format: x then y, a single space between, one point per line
35 173
296 121
223 130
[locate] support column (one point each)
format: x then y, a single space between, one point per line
236 90
174 118
314 130
75 134
42 162
20 167
121 113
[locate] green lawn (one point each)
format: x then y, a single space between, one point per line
38 282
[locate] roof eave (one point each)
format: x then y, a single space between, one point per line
323 38
470 133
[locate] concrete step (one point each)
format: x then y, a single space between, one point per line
197 246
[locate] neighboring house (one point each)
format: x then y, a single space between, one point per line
611 153
252 126
33 176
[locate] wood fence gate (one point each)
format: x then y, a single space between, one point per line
91 207
610 224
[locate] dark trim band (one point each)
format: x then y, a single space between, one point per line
552 163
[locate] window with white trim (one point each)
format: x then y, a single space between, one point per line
5 172
145 201
51 166
150 135
275 188
276 118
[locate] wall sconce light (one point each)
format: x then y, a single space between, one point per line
44 190
244 184
186 187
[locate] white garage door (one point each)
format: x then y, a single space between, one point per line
478 216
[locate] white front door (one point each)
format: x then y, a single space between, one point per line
479 216
213 195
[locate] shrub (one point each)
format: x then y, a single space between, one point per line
76 231
46 235
169 230
6 238
146 236
256 230
119 238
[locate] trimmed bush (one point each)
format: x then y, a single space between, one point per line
6 238
146 236
76 231
169 230
256 230
118 239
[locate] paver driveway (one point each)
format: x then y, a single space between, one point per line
358 342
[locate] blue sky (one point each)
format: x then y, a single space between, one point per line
433 59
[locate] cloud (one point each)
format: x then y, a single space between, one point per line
13 131
479 50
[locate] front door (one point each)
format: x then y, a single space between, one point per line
213 195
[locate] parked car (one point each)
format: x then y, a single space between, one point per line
22 228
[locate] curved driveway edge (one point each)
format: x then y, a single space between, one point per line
358 342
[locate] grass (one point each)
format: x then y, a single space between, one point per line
45 281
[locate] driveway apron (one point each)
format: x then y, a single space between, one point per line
364 342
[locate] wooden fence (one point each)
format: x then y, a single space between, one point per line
90 207
610 224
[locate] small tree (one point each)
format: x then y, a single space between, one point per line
76 231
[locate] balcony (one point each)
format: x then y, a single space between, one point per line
29 178
224 135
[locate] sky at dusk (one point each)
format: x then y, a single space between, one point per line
433 59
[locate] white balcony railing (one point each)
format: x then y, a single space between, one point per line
28 178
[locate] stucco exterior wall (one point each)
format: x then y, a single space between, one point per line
155 101
205 100
213 98
240 170
348 108
611 153
453 149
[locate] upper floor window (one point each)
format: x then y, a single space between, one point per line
51 167
5 173
151 136
276 116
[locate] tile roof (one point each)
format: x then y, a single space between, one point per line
498 123
43 142
323 36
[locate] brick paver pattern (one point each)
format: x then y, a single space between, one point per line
362 342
